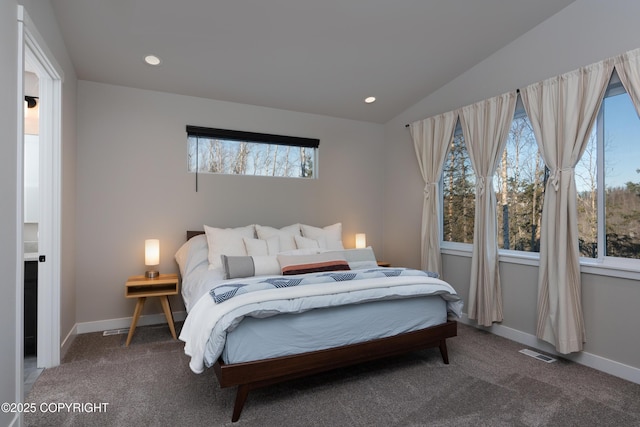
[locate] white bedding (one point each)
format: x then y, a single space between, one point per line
208 321
200 281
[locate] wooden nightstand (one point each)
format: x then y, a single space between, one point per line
384 264
141 287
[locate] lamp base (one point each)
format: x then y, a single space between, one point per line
151 274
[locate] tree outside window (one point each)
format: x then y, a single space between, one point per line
232 152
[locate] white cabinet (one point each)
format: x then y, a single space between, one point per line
31 178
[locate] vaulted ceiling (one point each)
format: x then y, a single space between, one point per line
322 56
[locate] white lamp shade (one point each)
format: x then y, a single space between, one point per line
361 240
151 252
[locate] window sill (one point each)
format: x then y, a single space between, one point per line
457 249
610 267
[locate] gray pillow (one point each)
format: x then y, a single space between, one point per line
238 266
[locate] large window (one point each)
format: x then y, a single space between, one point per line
608 182
247 153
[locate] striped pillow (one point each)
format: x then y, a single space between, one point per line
300 264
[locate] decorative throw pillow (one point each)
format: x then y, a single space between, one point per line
285 234
266 265
300 264
247 266
227 241
332 235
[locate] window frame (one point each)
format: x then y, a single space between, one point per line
628 267
257 138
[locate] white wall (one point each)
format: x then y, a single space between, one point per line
133 184
10 260
8 184
585 32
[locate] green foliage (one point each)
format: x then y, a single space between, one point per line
459 194
633 187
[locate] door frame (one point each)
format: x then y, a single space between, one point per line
32 48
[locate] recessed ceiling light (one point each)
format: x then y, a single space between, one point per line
152 60
370 99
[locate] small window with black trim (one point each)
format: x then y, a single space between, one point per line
235 152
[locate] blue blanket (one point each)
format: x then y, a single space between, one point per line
228 290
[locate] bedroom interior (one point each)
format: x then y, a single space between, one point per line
368 178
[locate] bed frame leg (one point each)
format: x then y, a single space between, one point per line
241 397
443 352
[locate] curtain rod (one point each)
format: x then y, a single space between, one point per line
407 125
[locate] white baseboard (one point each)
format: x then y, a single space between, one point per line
16 421
591 360
125 322
122 323
66 343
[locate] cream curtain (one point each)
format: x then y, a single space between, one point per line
562 111
431 138
485 126
628 68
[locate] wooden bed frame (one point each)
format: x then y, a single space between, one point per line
260 373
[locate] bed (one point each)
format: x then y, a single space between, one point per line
268 305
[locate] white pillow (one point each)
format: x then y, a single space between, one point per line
331 233
266 265
226 241
359 258
285 234
307 243
306 251
260 247
191 254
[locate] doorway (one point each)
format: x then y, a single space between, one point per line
38 60
31 213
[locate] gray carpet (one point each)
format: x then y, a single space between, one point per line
488 383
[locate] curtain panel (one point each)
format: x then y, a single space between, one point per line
628 68
485 127
431 139
562 111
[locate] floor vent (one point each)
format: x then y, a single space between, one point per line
115 332
537 355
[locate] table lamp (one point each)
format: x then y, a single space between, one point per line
151 257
